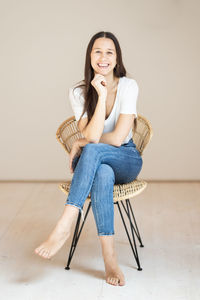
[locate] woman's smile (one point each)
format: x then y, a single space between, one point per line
103 65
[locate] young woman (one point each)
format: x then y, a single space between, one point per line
105 108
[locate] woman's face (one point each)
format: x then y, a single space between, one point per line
103 56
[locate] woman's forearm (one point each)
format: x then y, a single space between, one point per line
106 138
93 131
109 138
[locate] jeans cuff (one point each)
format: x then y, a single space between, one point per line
105 234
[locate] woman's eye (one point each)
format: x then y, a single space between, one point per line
107 52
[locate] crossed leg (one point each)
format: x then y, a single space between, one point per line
103 210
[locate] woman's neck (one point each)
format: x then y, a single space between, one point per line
111 82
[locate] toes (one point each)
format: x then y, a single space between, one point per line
37 250
45 254
116 281
49 255
112 280
122 282
109 280
42 252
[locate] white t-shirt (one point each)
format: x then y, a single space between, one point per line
125 103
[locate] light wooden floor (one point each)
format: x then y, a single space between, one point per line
168 216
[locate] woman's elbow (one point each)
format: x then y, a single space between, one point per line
91 139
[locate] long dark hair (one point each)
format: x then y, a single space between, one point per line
89 92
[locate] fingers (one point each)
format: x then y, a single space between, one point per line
99 77
103 83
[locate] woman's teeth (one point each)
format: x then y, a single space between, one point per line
103 65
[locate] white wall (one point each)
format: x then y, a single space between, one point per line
42 53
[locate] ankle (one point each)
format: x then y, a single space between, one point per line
69 215
108 248
110 257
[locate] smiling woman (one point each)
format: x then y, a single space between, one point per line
104 106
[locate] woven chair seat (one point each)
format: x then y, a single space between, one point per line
120 192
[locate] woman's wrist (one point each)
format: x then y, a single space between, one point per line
102 97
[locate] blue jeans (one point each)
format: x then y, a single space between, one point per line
96 170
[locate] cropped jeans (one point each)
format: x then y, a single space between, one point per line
96 170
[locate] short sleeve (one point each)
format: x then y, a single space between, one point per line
128 103
77 102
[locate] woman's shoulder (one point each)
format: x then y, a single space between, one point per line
126 81
129 85
77 89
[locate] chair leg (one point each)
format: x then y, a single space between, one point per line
136 230
76 235
132 243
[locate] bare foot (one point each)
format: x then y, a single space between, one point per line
114 275
54 242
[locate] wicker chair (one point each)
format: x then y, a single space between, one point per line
66 134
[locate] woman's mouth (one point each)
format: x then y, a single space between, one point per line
103 66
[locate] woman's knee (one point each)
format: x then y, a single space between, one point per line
104 175
92 147
90 150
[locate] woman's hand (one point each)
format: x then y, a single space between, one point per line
99 83
75 151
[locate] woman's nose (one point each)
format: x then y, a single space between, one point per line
103 55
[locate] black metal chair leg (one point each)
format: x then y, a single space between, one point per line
132 231
133 247
76 235
135 228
